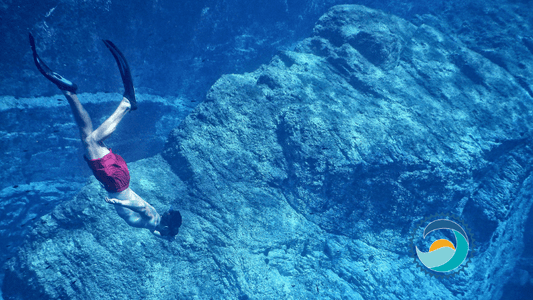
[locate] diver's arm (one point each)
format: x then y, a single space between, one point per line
138 205
135 205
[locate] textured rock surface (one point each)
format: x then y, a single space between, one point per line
304 178
361 148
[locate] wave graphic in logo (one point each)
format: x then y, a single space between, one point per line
443 256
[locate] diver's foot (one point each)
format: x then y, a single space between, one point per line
125 104
61 82
125 73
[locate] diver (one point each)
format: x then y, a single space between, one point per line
109 168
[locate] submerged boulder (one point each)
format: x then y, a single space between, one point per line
306 178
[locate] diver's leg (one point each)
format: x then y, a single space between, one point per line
81 116
106 129
83 120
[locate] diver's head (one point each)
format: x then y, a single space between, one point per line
170 223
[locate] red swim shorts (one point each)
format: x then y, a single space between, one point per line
112 171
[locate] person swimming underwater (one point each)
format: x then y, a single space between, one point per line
108 167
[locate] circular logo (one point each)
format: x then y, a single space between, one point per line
444 255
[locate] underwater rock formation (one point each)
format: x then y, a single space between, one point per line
305 178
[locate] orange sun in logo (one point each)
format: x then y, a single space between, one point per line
441 243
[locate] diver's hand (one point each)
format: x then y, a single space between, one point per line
158 234
112 200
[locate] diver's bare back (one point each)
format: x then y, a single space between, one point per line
134 210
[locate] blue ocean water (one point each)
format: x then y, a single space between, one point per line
306 144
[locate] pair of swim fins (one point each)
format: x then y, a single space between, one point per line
66 85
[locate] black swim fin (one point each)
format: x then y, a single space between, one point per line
61 82
129 91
